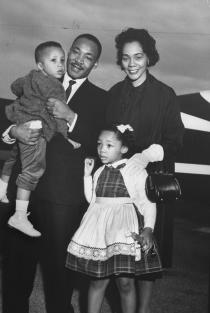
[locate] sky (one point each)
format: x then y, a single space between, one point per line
181 29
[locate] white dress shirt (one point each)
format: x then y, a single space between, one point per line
74 88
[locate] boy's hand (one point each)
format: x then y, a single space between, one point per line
89 165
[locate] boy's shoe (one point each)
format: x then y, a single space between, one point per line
4 199
22 224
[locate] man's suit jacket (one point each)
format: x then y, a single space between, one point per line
62 182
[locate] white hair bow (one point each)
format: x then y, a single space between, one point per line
122 128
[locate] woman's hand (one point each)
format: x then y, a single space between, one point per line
60 110
145 239
25 134
89 165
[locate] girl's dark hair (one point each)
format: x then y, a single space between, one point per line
44 45
142 36
127 138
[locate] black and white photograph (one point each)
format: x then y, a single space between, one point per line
105 156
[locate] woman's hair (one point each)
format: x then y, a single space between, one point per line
127 137
142 36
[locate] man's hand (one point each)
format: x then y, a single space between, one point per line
25 134
60 110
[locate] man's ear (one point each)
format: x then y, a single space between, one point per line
124 149
95 65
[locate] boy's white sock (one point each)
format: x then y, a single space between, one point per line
3 188
21 206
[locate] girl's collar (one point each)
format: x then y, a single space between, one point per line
117 163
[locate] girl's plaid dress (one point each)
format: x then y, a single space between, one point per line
102 245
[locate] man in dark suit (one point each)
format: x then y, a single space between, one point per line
58 202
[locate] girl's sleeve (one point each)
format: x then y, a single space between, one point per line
145 206
88 188
134 177
149 213
139 161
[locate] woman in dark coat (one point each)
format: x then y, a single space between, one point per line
151 108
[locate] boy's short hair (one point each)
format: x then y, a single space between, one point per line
44 45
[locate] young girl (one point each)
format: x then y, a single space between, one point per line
119 213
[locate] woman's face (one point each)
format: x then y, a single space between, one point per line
134 62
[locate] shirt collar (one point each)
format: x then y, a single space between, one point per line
117 163
67 78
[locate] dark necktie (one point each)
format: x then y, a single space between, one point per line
69 88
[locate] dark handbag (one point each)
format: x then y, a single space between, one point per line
162 187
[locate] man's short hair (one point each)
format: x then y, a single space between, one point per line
91 38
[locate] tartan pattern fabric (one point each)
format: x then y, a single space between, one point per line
111 184
117 264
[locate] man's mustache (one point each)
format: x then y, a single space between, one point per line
77 64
